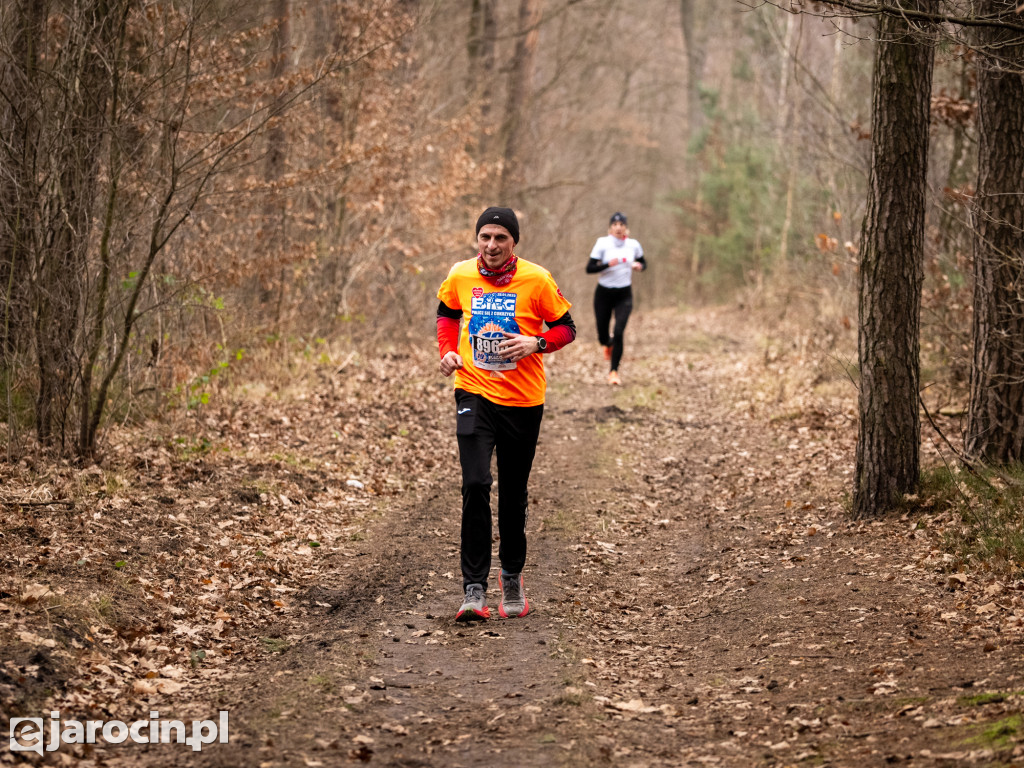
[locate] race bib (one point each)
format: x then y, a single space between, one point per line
493 316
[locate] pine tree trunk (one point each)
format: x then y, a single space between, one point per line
995 422
892 268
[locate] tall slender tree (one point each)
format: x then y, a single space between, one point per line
784 146
480 41
20 123
275 218
66 203
520 90
892 266
694 66
995 423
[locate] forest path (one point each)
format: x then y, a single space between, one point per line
698 593
698 598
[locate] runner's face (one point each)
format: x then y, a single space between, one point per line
495 244
617 229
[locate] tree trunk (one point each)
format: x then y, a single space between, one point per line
694 66
783 141
275 218
279 54
480 51
96 305
783 105
892 268
80 109
19 126
834 95
520 90
995 421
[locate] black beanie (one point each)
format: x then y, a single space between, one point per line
617 217
504 217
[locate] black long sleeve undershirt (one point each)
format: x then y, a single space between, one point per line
596 265
566 320
443 310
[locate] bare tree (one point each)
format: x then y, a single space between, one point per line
480 43
519 94
784 146
63 118
892 267
275 219
20 123
693 41
121 137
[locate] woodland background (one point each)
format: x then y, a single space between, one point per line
195 191
227 480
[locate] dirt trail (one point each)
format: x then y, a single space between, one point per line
699 597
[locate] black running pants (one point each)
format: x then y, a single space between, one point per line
607 301
483 427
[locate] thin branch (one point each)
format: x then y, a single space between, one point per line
883 8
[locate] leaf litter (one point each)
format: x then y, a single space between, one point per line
698 594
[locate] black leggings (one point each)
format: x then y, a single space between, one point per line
481 427
606 301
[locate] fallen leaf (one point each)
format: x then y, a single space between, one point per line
168 686
30 638
634 705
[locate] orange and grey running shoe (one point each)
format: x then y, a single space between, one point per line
513 597
613 378
474 607
607 353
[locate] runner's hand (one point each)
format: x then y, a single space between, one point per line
516 346
451 362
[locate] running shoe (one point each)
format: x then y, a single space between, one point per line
513 597
613 379
607 353
474 607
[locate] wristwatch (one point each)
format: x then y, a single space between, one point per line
542 343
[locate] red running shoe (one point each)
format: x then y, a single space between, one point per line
474 607
513 597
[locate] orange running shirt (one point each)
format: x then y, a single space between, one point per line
529 300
